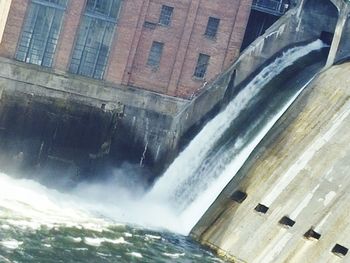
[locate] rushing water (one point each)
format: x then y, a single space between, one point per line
203 169
99 222
42 225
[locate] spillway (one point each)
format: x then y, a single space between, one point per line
202 170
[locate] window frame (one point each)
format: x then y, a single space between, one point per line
41 4
165 16
198 72
150 59
209 32
94 18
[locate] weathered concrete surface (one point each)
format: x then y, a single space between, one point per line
33 97
300 170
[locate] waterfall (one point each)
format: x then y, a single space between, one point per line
198 175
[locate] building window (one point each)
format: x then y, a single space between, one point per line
212 27
202 65
165 15
92 47
38 41
155 54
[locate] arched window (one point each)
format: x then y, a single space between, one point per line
40 32
94 39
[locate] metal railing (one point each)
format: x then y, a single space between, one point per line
274 7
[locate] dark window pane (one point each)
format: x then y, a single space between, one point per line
202 65
155 54
212 27
92 47
108 8
40 33
62 3
165 15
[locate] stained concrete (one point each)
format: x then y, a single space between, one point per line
300 170
83 119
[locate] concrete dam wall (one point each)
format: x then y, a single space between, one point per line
78 123
289 202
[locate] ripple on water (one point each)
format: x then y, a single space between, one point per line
175 255
4 260
135 254
127 234
148 236
76 239
96 242
11 244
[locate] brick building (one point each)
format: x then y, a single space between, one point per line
170 47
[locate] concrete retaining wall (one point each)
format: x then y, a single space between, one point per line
124 123
299 171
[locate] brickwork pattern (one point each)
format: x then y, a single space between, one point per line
183 40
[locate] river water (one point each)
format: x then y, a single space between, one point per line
38 224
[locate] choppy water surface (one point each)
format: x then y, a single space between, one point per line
42 225
112 244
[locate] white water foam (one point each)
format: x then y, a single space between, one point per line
11 244
29 205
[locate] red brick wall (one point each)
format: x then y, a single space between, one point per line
68 33
125 41
225 47
238 31
184 39
141 73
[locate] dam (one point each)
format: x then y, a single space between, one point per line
286 202
252 164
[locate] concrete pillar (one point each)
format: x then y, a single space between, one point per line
4 11
343 14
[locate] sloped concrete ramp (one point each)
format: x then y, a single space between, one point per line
291 200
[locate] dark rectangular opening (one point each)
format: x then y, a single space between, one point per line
327 37
261 208
340 250
311 233
239 196
286 221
